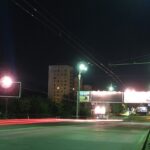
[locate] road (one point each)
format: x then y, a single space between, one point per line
74 135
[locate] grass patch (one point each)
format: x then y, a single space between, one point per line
137 118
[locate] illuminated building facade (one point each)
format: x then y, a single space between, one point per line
60 81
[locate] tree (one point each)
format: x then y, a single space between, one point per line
116 107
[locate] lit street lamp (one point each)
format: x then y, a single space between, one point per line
6 82
111 88
82 68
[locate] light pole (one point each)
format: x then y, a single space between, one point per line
6 83
82 68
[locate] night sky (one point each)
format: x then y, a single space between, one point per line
65 32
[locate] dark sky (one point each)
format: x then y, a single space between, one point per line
64 32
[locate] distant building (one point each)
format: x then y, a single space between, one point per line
60 81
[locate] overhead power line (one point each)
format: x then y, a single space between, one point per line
134 59
129 64
60 30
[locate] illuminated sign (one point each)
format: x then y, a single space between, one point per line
129 96
14 91
84 96
101 96
106 96
136 97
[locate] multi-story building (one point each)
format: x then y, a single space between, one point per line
60 81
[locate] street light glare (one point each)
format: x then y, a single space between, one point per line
111 88
6 81
82 67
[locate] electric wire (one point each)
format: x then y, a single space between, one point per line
32 15
66 38
134 59
101 66
62 26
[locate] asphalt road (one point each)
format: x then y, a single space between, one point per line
74 135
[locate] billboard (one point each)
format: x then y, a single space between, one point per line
136 97
128 96
14 91
106 96
101 96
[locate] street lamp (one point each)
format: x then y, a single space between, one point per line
82 67
6 83
111 88
8 86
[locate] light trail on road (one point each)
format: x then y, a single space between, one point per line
51 120
72 134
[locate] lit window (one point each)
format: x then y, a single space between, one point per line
58 87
